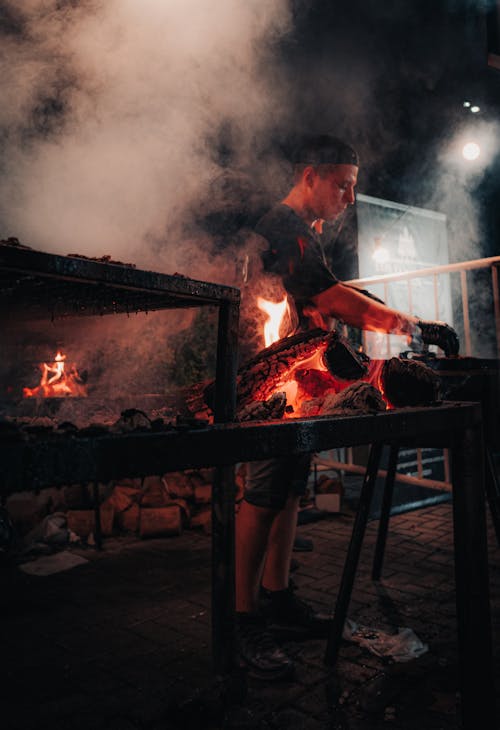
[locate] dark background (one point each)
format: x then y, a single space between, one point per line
414 64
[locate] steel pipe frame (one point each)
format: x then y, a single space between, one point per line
471 580
35 284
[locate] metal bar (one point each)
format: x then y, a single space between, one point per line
352 558
387 337
227 363
436 296
404 478
385 513
465 309
119 276
419 463
223 492
496 303
58 461
223 570
492 491
97 516
447 473
442 269
471 579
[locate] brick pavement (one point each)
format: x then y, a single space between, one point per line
122 642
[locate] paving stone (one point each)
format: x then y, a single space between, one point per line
120 642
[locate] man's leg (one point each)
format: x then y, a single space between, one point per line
276 574
257 649
253 527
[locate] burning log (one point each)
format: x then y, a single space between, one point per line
273 366
408 382
273 408
356 398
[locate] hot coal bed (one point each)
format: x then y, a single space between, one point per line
35 285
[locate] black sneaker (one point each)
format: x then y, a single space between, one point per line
289 614
257 650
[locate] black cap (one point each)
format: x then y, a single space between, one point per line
323 149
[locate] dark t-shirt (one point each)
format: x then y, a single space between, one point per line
295 254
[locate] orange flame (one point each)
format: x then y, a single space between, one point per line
276 312
57 381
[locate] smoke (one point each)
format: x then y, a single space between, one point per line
110 111
457 182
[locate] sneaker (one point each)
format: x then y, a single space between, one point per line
258 652
288 613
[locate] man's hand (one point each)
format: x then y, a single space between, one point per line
440 334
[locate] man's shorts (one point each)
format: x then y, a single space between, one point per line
269 483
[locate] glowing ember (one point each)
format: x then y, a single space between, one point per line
276 314
57 381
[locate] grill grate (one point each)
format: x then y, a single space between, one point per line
37 285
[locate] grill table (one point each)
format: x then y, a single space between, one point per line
457 426
46 286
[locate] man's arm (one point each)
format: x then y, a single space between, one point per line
358 310
355 308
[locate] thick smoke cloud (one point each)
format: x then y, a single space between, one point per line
109 115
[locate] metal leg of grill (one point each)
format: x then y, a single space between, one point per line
385 514
223 583
352 558
97 516
223 616
492 492
471 581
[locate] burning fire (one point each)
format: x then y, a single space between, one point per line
310 379
276 312
57 381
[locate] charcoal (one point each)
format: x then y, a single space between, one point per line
132 420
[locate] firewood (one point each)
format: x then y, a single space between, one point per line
178 484
154 493
128 520
264 410
409 382
156 521
82 521
203 518
262 375
203 494
123 497
356 398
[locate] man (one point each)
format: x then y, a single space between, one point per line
325 176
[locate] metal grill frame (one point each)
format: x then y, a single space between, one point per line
39 462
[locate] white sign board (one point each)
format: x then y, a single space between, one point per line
395 238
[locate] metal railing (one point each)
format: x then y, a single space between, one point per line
344 462
461 268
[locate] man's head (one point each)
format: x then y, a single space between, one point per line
325 174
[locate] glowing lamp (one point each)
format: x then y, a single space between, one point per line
380 254
471 151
